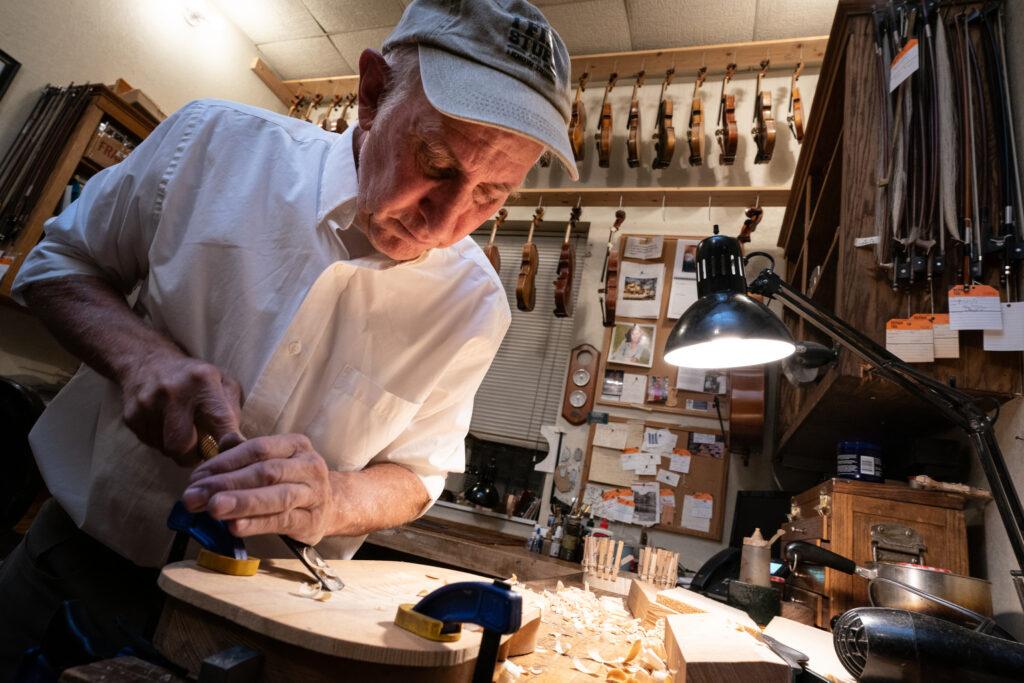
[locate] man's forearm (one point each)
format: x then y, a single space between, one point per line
379 497
93 321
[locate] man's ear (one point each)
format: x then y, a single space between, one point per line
374 73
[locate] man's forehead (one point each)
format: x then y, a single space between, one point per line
457 133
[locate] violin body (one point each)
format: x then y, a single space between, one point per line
764 121
565 269
795 118
340 124
727 133
695 130
526 292
578 122
665 137
633 124
610 276
603 136
491 249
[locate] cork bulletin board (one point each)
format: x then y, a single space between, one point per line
708 474
676 403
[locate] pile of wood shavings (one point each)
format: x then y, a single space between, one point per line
600 637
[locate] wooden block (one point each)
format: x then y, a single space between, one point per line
643 605
813 642
123 669
707 648
686 601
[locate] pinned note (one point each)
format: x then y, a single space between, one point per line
667 506
910 339
634 388
945 341
679 462
698 510
667 477
974 308
659 440
1011 337
611 435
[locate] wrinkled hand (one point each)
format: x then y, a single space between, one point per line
271 484
170 395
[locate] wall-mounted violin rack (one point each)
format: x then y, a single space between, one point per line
784 54
735 196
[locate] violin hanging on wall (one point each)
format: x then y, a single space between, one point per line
566 267
604 126
764 121
491 250
578 122
795 118
340 124
695 131
526 292
727 133
633 124
665 138
610 274
324 121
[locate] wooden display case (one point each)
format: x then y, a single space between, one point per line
105 105
831 203
839 514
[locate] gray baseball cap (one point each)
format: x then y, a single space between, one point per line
495 62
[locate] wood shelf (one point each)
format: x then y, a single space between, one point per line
740 196
784 55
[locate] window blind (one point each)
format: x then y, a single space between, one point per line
523 389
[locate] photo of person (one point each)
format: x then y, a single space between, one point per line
686 260
657 390
640 288
632 344
711 384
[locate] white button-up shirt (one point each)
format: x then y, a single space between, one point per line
234 224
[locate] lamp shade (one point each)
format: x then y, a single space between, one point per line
725 328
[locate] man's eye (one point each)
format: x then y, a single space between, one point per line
439 172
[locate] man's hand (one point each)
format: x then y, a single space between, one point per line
169 394
271 484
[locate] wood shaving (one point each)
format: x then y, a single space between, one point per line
314 591
423 593
510 671
431 576
586 667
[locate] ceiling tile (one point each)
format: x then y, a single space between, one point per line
589 27
655 24
305 58
266 21
343 16
778 18
352 44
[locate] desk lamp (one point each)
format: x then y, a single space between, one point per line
725 328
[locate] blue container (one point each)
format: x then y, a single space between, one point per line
860 460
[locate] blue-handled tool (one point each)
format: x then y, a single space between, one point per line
440 616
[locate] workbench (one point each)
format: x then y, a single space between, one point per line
471 549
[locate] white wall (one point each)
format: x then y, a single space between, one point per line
146 42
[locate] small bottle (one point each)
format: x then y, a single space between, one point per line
570 539
556 542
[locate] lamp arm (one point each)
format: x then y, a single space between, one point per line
955 405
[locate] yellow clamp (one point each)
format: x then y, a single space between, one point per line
227 565
424 626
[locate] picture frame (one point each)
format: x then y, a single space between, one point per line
8 70
633 344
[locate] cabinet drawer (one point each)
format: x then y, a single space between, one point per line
818 604
807 529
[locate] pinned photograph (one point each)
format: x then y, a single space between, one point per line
632 344
640 286
640 289
612 389
686 260
657 390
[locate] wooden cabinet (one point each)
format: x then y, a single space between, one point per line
839 514
104 105
831 205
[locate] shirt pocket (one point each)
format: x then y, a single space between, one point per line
357 420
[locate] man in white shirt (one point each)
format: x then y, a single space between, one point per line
329 281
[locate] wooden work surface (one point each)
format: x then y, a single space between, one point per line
356 623
471 548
